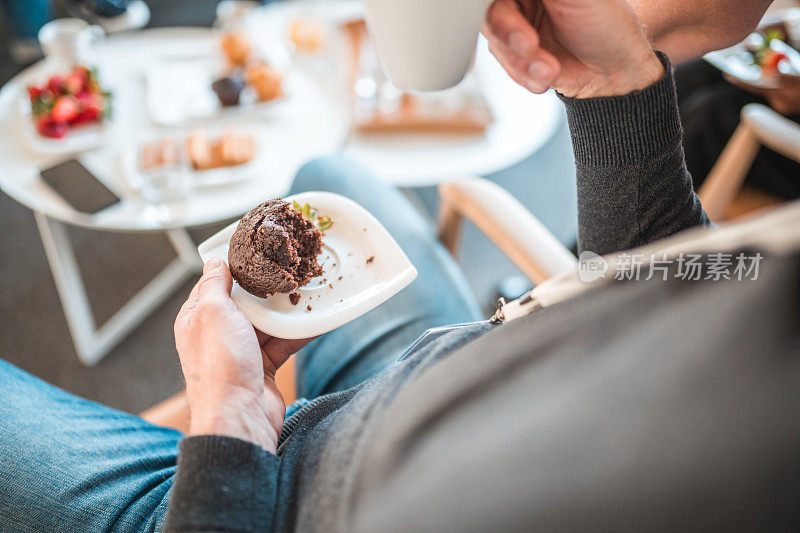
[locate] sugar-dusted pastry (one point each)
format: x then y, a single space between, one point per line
236 149
265 81
200 151
160 153
236 48
232 149
306 35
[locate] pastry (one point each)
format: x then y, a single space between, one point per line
200 151
158 154
306 35
236 149
232 149
236 48
274 249
229 90
265 81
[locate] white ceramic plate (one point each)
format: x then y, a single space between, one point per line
179 90
351 285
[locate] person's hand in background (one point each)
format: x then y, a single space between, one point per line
581 48
785 98
229 366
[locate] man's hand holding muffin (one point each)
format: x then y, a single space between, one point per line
229 366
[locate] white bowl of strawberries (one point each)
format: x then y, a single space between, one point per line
66 114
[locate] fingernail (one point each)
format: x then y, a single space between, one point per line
519 43
213 264
540 72
535 87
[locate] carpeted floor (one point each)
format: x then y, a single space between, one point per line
144 369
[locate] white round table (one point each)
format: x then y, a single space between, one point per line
309 123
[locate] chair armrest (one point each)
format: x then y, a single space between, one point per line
759 125
773 130
506 222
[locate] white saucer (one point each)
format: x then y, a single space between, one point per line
364 267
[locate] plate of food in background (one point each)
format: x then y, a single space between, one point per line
164 167
68 111
182 89
309 263
764 54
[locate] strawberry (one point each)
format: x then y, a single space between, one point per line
65 109
55 85
76 81
47 127
88 99
772 59
87 116
34 92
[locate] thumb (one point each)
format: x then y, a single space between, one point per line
216 281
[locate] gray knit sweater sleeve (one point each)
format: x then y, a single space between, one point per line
633 185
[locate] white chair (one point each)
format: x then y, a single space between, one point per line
722 194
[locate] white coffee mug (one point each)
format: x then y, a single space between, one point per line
68 41
425 45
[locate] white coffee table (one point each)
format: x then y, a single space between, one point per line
307 125
524 122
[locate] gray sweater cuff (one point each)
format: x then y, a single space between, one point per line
622 130
222 481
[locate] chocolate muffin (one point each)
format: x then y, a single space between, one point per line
274 249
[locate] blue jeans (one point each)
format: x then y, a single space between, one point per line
68 464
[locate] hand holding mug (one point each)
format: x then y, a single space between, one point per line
582 48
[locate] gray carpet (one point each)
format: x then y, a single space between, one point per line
144 369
